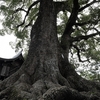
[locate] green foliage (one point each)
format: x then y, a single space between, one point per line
14 22
82 2
62 20
17 22
90 72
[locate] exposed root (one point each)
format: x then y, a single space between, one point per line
44 89
10 80
62 81
62 93
76 81
20 86
23 89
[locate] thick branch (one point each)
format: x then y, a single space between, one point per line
72 18
79 38
70 23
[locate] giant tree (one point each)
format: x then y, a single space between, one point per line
47 73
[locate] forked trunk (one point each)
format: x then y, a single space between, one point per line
46 75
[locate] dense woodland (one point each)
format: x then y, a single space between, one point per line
60 35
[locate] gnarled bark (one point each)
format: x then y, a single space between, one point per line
46 75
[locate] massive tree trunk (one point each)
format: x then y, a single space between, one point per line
46 74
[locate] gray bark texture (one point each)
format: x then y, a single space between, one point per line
46 75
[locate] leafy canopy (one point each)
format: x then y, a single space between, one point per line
20 15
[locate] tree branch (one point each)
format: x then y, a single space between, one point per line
73 17
83 23
71 21
79 38
30 23
27 12
87 5
78 54
21 8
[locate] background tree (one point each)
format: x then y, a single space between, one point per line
47 72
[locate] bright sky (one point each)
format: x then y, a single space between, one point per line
5 49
